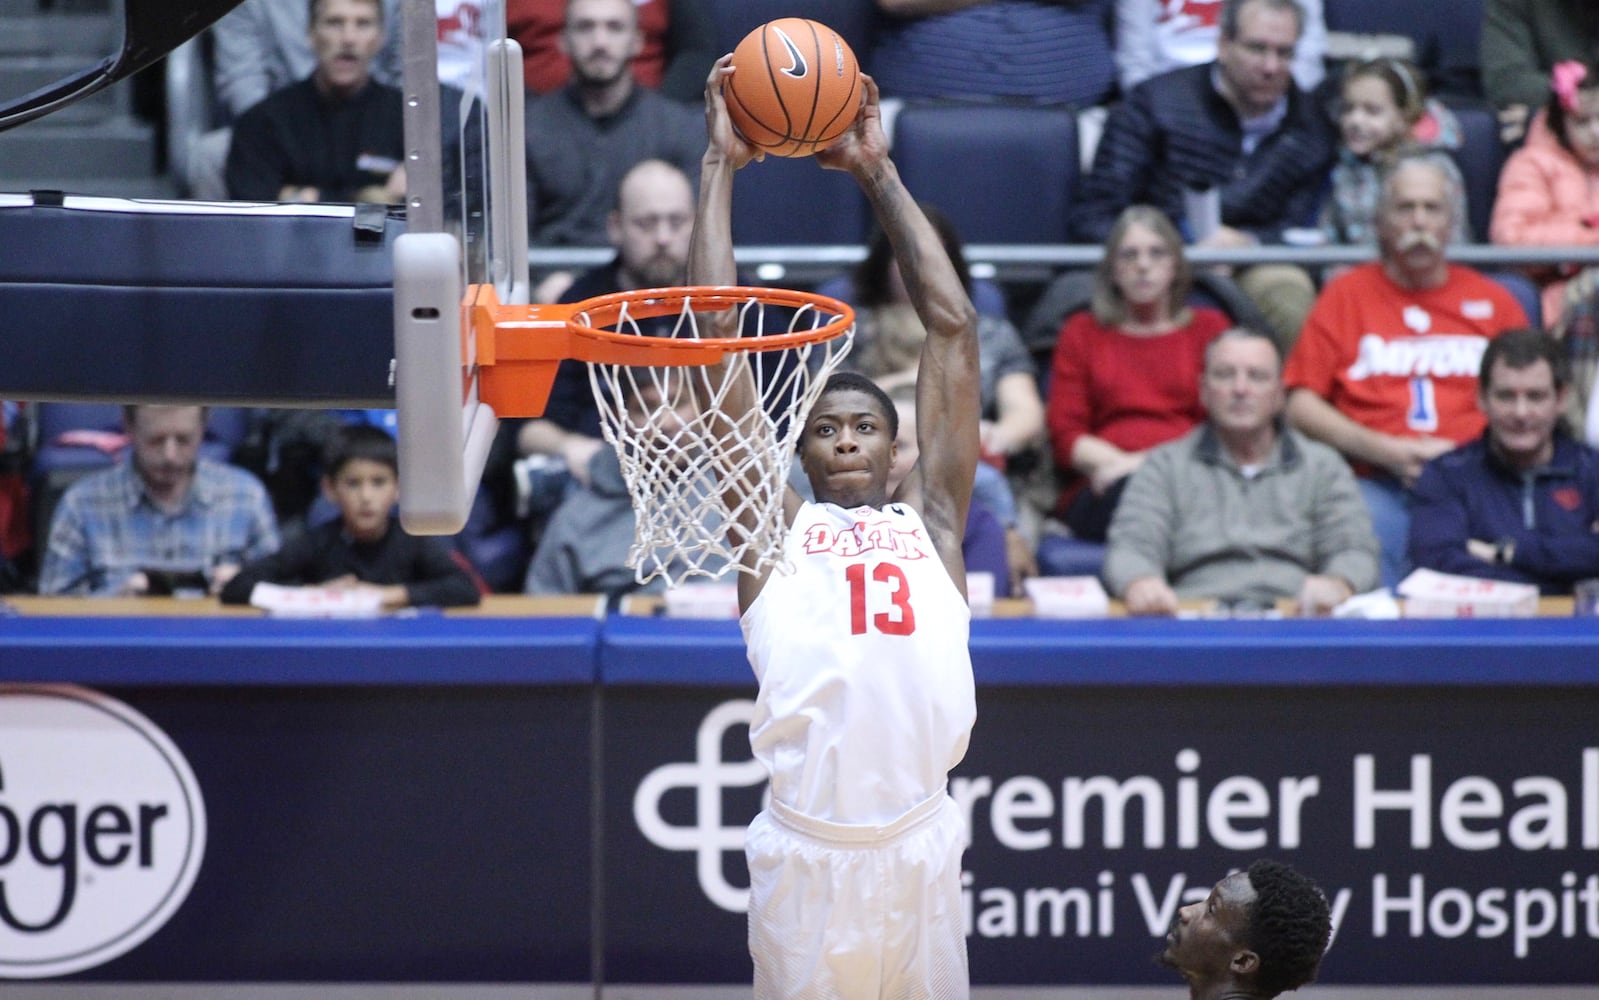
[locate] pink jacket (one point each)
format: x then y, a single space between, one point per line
1544 194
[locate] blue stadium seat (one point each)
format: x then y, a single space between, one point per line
852 19
1062 555
1002 174
1480 158
1445 43
786 202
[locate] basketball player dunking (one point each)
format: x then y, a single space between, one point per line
859 639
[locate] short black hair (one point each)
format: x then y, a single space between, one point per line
1522 349
1289 926
363 441
856 382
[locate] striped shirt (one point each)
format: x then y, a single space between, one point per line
105 528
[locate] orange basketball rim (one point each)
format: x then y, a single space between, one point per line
518 348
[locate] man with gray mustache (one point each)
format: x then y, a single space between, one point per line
1385 370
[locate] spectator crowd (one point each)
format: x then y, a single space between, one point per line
1246 434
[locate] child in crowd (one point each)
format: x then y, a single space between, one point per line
1382 113
1549 196
365 547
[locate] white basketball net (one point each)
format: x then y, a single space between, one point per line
707 489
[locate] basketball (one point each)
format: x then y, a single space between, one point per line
797 89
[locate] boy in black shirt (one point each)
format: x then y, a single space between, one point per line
365 548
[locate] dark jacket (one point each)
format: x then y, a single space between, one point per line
1175 130
1550 513
426 566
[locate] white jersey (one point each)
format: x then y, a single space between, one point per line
866 693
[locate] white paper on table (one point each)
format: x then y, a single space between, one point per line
1430 594
317 602
702 600
1067 596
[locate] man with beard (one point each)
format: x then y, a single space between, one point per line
650 227
164 511
583 138
1385 370
1241 509
1258 934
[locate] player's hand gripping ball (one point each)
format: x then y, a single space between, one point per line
797 89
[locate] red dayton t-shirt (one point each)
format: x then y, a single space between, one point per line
1399 361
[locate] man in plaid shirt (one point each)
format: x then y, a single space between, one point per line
164 511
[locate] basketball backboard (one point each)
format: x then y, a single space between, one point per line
466 228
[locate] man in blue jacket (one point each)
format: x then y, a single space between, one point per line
1520 503
1245 144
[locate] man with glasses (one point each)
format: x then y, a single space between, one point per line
1231 150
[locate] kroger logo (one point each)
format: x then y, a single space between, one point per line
102 830
706 775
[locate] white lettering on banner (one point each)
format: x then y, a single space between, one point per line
706 776
1190 810
1472 806
1435 355
1235 810
1527 914
102 829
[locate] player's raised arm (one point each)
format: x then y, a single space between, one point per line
948 386
710 262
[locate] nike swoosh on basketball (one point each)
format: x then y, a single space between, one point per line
797 67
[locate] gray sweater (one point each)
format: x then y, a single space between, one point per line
1191 516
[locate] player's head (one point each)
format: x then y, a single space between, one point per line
165 444
602 39
847 447
361 475
651 224
1262 931
345 37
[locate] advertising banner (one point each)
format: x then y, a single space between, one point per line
1455 830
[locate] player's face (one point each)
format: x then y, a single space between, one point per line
1207 935
1523 408
1258 64
365 492
1414 222
345 36
166 446
601 38
848 450
1144 267
1242 387
651 228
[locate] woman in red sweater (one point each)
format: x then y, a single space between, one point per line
1126 371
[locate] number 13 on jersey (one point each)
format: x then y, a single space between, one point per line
884 586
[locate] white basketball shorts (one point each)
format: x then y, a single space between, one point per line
843 912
